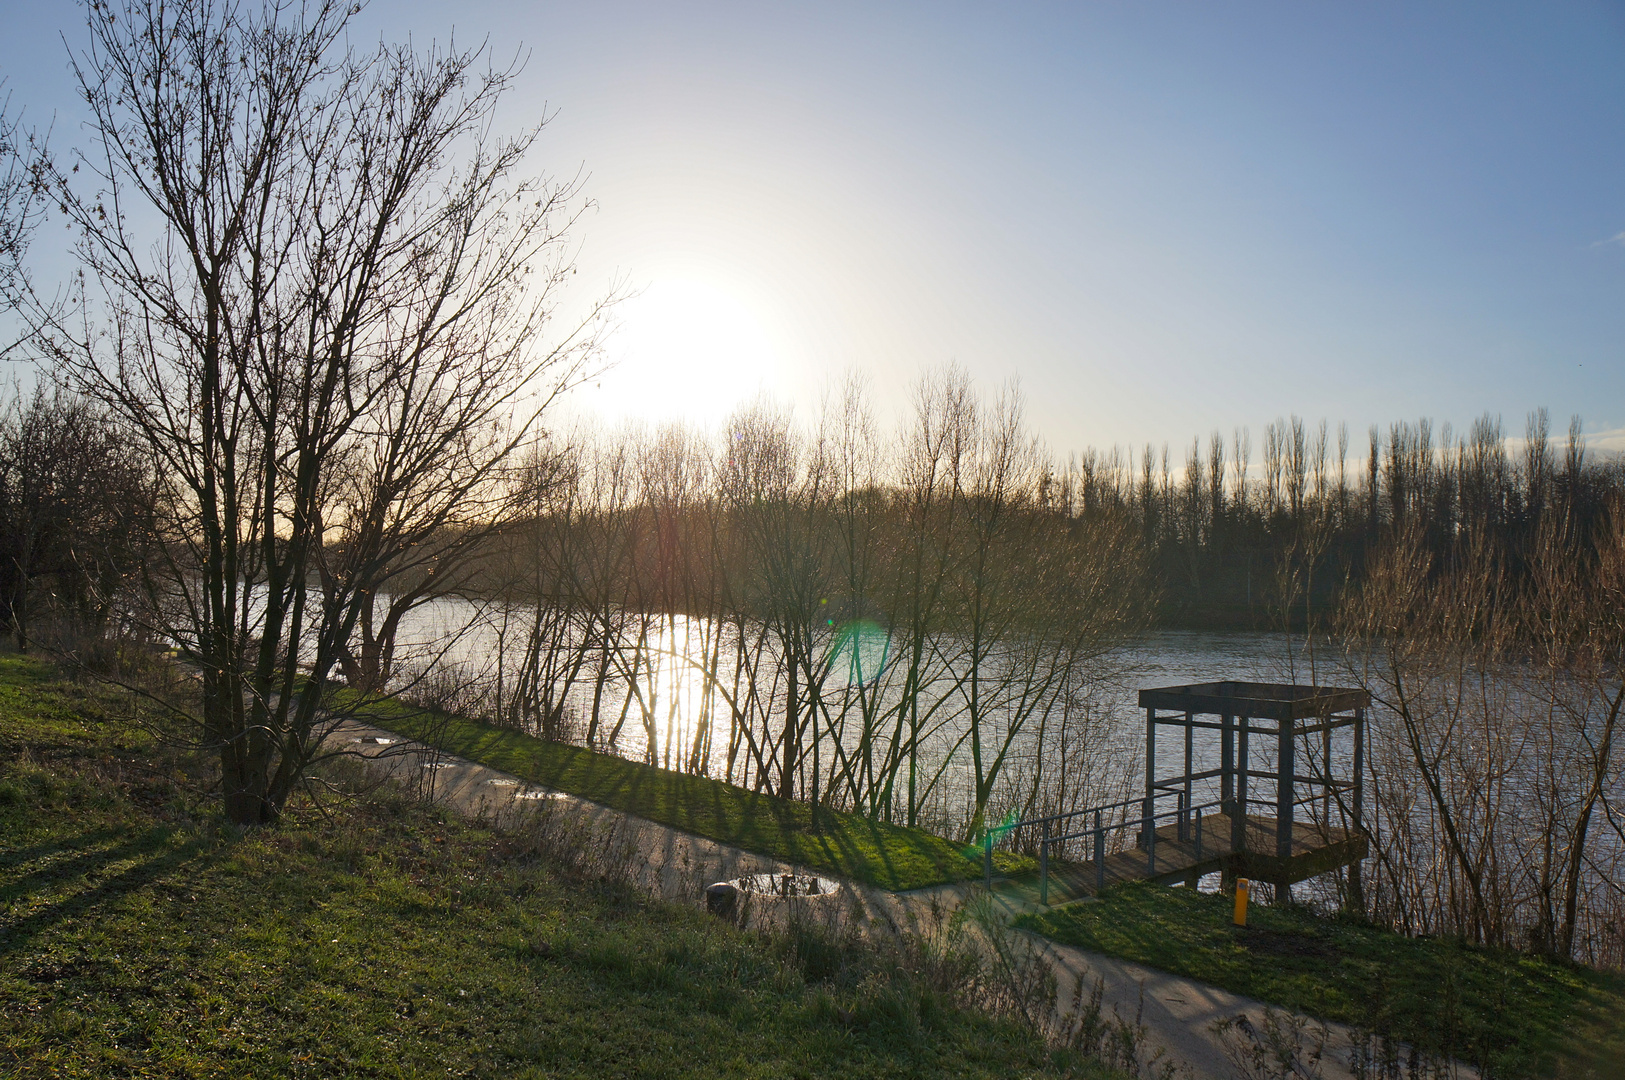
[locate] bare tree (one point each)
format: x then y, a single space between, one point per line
332 342
931 471
779 489
76 513
22 187
1572 616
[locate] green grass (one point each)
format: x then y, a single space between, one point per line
1523 1015
139 936
850 845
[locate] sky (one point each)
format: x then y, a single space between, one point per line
1162 219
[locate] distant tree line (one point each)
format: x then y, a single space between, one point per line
1229 526
77 518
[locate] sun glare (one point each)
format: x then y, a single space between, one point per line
688 350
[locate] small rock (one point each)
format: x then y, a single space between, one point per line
722 899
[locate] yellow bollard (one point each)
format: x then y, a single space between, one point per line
1241 901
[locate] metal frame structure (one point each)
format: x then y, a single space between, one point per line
1296 711
1242 711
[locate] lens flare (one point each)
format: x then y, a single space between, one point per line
858 653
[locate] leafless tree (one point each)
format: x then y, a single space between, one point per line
1573 616
1427 641
76 518
931 475
324 292
22 190
779 490
1494 752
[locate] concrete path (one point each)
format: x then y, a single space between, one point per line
1175 1013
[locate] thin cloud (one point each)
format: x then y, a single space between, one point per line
1617 238
1610 443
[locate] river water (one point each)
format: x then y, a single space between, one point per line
671 714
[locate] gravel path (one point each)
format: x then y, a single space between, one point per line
1176 1013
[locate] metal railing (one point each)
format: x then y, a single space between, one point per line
1119 817
1057 829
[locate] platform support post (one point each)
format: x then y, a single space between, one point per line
1149 837
1185 818
1284 774
1356 880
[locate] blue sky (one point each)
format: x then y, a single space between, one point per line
1162 218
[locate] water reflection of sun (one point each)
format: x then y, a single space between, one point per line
682 701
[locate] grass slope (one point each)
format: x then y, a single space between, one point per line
1523 1015
140 937
853 846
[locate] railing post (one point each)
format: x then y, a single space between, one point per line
1198 836
1043 867
1100 855
1150 837
1238 823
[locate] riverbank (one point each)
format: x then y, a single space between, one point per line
1513 1014
852 846
380 936
1522 1016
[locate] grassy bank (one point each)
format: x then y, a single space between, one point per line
1522 1015
850 845
141 937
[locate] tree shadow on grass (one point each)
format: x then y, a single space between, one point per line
95 890
13 857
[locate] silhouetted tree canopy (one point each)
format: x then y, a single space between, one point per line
322 290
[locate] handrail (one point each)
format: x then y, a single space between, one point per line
1309 799
1146 826
1077 813
1176 813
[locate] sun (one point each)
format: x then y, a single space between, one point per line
688 349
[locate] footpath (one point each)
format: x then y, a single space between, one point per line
1177 1014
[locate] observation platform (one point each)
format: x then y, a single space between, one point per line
1310 742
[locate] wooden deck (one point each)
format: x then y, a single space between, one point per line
1315 850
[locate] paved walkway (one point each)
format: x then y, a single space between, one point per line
1177 1013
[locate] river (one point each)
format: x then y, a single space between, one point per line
674 715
